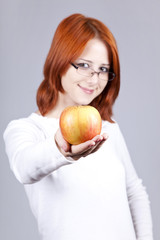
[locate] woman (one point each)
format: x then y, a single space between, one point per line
88 191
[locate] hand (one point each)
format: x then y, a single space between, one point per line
80 150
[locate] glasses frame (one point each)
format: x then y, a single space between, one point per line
109 80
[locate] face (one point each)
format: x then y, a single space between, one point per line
82 90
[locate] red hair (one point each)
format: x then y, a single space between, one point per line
68 43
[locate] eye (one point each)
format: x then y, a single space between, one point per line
104 69
83 65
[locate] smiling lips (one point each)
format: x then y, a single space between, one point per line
86 90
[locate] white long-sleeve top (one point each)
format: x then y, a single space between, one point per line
98 197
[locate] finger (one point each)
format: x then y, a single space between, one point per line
83 147
105 136
98 145
88 145
80 150
82 154
99 140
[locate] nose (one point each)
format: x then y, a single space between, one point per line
93 79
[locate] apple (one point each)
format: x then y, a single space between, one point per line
80 123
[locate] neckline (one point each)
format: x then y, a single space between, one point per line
36 115
44 117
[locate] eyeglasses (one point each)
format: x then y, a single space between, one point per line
89 72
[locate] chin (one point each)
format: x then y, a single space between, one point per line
83 102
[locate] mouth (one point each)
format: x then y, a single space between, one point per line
86 90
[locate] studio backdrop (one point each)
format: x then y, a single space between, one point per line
26 29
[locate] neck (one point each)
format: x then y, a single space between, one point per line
62 102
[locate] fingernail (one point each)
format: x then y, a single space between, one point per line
99 139
105 137
92 144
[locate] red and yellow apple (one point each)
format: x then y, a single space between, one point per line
80 123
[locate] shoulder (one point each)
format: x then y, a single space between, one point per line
34 125
22 122
112 128
24 125
114 132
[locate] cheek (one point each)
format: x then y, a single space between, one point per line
69 78
102 86
65 81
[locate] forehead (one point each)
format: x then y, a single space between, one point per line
95 51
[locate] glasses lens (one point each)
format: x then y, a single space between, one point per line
107 76
111 76
85 71
104 76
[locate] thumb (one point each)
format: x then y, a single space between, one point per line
61 142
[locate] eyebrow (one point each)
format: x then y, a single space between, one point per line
104 64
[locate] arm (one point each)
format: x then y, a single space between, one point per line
137 196
31 156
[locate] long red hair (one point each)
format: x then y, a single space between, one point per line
68 43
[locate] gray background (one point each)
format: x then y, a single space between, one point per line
26 31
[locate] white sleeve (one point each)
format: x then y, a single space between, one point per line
137 197
31 158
